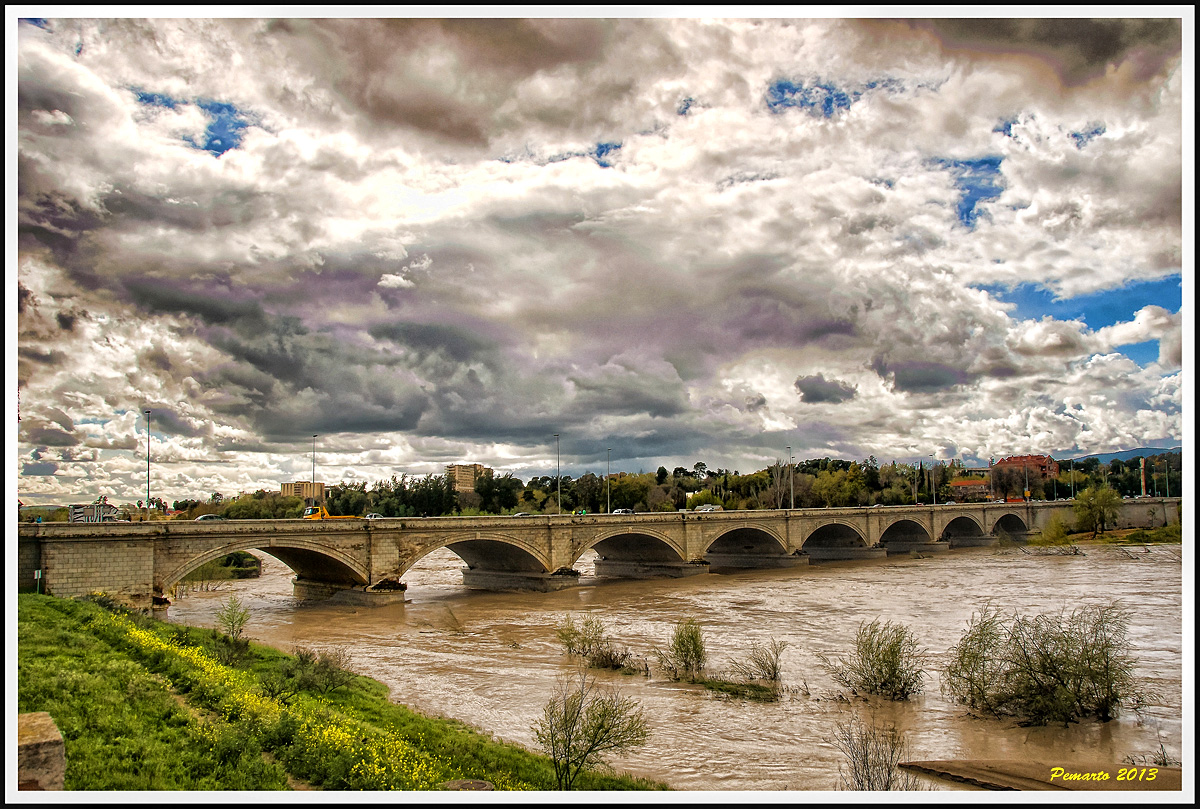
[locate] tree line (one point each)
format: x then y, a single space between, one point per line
813 483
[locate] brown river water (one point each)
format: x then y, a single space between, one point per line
492 659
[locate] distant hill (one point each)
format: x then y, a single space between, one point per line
1124 455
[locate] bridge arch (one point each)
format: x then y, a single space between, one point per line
753 538
627 544
1010 524
906 531
835 534
962 528
492 551
748 546
308 560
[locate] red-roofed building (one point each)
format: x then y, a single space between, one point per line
1040 466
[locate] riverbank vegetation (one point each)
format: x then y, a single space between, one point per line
759 677
1046 668
585 722
886 660
873 756
146 705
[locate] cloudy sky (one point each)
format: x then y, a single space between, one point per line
430 241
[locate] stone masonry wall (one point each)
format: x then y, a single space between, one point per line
75 567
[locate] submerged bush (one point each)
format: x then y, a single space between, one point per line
763 664
873 755
685 657
886 661
1048 668
590 641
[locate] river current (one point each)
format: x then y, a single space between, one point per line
492 659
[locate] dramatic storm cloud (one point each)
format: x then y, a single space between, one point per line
446 240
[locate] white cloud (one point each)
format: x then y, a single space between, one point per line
417 243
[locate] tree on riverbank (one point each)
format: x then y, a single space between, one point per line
1097 507
585 722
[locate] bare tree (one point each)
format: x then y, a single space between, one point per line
777 488
873 756
585 722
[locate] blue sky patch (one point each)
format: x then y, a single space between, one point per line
156 100
40 22
603 150
226 122
978 180
818 98
685 106
1087 135
1005 127
1098 309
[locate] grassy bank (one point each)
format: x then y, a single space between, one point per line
145 705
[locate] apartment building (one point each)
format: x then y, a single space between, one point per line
463 475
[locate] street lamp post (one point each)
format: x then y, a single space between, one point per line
558 451
1167 475
608 485
313 489
147 465
791 481
933 477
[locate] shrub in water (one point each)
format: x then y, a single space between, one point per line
886 661
1048 668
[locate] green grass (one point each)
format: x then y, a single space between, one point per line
126 726
756 692
122 728
1167 535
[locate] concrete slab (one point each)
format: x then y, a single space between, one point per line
1065 777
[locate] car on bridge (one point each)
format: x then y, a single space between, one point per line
710 507
622 511
204 517
373 516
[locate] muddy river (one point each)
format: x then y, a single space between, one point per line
492 659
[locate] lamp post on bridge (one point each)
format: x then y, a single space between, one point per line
147 465
933 477
608 485
558 451
791 481
313 488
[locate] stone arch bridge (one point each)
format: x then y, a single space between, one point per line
365 560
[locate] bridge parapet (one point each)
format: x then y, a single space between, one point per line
143 560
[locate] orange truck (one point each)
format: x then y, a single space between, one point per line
319 513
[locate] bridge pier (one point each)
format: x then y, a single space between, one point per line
359 595
897 547
973 542
628 569
754 561
504 580
818 554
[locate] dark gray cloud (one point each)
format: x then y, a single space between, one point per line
383 70
39 469
915 376
1079 49
43 435
816 389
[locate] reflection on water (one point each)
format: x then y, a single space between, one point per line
491 659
